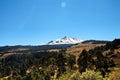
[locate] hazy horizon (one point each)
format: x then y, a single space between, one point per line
34 22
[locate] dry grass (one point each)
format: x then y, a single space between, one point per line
6 55
77 49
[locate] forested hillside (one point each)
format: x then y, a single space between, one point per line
101 62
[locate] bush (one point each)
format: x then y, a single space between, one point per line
91 75
88 75
66 75
75 76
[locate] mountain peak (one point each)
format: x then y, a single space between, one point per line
65 37
65 40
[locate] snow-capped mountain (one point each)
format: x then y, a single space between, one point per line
64 40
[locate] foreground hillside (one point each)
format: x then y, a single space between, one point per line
94 62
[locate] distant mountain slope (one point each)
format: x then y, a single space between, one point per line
87 45
95 41
30 49
64 40
77 49
60 44
72 45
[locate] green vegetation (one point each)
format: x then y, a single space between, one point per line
41 65
92 65
91 75
87 75
97 62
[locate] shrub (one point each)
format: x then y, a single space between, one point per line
66 75
75 76
91 75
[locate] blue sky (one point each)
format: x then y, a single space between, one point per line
33 22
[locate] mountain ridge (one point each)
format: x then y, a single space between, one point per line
65 40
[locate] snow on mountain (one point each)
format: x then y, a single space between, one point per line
65 40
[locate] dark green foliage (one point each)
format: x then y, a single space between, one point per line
71 60
95 57
84 61
102 62
41 64
36 75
